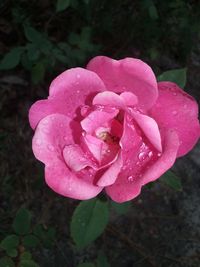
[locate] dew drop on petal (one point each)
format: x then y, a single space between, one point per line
78 76
174 112
130 178
159 154
150 154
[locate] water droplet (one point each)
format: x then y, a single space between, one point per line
159 154
150 154
174 112
185 106
174 93
78 91
38 142
142 156
61 125
51 148
70 189
130 178
78 76
108 151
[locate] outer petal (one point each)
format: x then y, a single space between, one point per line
69 91
64 182
177 110
129 187
128 74
51 136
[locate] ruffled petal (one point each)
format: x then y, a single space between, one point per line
66 183
110 175
149 128
68 92
165 161
97 119
128 186
76 159
128 74
177 110
52 134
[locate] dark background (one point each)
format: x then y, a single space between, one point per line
162 228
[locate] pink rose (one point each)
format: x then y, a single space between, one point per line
111 126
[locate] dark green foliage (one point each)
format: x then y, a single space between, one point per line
22 222
177 75
170 179
89 221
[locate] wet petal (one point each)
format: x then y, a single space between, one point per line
128 74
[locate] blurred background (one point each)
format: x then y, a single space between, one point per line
38 40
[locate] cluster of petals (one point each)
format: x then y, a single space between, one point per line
111 126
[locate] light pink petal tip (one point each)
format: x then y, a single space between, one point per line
177 110
128 74
68 92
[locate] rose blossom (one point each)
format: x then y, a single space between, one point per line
111 126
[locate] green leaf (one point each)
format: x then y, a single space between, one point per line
9 244
30 241
102 260
22 222
89 221
32 52
62 5
11 59
121 208
46 236
6 262
177 76
32 34
86 264
37 72
170 179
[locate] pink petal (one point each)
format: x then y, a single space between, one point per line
64 182
52 134
129 98
110 176
167 159
94 145
128 186
150 129
97 119
75 158
68 92
128 74
177 110
108 98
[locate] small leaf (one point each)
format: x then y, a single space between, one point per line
170 179
86 264
11 59
22 222
32 34
62 5
102 260
121 208
9 242
37 72
177 76
30 241
88 221
6 262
